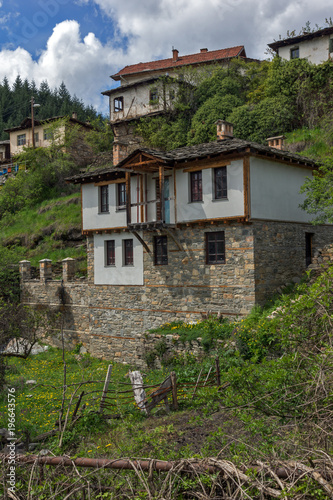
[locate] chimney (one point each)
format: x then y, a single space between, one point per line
175 55
74 115
276 142
225 130
203 50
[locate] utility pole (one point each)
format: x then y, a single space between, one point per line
33 105
32 122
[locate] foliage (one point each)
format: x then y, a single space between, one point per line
16 103
319 193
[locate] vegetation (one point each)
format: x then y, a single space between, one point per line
15 103
276 405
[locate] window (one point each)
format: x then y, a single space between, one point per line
121 196
104 199
330 45
196 186
220 183
36 134
128 252
118 104
215 248
110 258
161 250
48 134
153 96
294 53
172 94
21 140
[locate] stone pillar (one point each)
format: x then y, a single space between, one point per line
90 259
25 270
68 269
45 270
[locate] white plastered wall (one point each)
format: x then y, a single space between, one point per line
117 274
315 50
275 191
233 206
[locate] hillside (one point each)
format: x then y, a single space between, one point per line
261 100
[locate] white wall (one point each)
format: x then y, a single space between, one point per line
92 219
315 50
275 191
118 274
209 208
136 100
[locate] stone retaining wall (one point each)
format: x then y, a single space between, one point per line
110 320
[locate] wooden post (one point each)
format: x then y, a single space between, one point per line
77 405
218 375
161 179
105 388
196 385
139 392
174 390
128 198
210 369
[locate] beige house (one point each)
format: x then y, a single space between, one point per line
316 47
44 132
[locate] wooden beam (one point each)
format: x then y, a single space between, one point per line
173 237
141 199
246 185
143 243
202 165
128 198
161 181
114 181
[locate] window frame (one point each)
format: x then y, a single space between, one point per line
110 253
294 53
161 250
118 104
128 252
212 237
196 186
47 134
153 96
121 196
104 207
21 140
223 189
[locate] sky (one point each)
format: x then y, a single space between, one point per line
83 42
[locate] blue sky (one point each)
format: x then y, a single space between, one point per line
83 42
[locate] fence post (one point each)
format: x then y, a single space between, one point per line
139 392
174 390
105 388
218 374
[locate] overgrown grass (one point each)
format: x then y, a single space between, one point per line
51 230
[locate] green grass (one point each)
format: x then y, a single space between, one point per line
45 232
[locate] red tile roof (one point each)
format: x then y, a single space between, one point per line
201 57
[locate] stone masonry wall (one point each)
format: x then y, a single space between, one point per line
107 319
111 320
279 250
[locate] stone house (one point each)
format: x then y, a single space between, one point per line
148 89
173 235
316 47
215 226
45 132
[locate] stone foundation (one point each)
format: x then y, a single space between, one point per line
110 320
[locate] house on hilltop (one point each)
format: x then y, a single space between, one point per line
173 235
215 226
48 130
316 47
143 91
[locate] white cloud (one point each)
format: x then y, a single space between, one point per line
151 28
84 65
